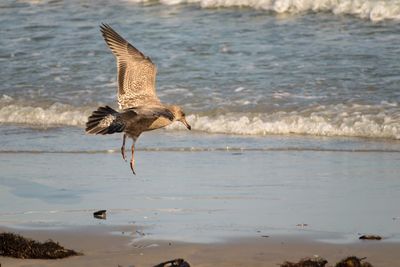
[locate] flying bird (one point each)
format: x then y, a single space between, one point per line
140 108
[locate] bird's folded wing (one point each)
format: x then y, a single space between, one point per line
151 112
136 72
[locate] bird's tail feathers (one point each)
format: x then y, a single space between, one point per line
104 120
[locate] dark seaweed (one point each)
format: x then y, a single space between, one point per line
307 262
174 263
16 246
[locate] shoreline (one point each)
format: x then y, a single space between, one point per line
202 198
105 245
208 195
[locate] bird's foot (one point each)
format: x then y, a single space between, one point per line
132 164
123 153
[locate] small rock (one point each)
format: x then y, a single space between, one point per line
174 263
370 237
101 214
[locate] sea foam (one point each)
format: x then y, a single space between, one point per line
373 10
335 120
375 121
56 114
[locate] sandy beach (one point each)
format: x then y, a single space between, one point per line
113 246
212 206
294 148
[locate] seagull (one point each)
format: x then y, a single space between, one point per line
140 108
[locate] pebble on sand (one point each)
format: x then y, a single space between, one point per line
101 214
370 237
174 263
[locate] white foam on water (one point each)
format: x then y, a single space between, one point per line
375 121
335 120
374 10
52 115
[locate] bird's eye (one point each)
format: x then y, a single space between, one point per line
183 114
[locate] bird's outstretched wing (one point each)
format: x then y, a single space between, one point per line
136 72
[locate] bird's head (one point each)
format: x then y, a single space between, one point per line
180 115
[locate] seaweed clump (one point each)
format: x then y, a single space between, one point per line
16 246
353 262
174 263
307 262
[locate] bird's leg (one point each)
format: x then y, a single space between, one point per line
123 147
133 157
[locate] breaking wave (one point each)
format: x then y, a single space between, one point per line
373 10
381 121
375 121
56 114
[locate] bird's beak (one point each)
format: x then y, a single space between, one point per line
183 120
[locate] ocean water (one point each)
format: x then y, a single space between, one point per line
294 107
327 68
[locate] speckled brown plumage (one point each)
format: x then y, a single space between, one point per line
136 72
141 108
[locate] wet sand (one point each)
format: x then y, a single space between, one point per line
212 202
206 196
113 246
